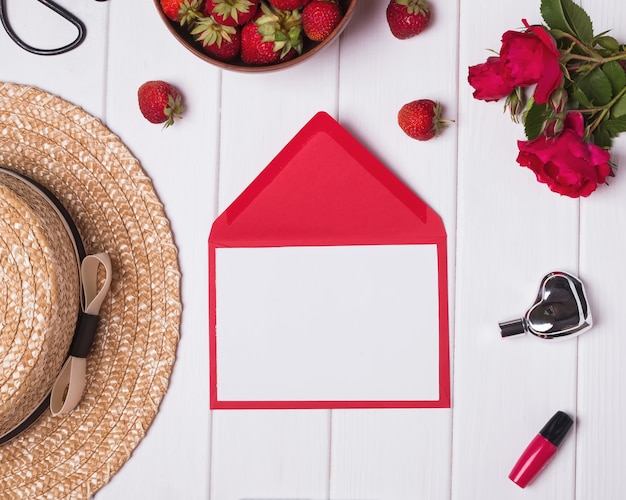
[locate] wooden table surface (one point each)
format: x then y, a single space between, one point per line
505 231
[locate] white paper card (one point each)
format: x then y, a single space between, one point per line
336 323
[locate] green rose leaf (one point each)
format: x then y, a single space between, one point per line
596 86
554 16
601 137
580 20
615 126
580 96
534 119
568 17
616 75
619 108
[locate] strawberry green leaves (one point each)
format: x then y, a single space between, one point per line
282 27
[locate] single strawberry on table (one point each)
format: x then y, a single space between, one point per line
320 18
219 41
160 102
184 12
408 18
231 12
421 119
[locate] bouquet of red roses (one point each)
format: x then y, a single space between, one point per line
568 87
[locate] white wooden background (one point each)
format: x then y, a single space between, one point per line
505 232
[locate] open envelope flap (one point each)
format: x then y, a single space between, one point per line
324 189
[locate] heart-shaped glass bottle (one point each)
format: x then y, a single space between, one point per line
560 310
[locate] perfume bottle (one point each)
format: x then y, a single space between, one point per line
561 310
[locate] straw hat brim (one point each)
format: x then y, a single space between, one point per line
116 210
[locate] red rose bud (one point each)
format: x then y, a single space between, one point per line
558 126
515 104
558 100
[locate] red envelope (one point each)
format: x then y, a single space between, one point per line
328 285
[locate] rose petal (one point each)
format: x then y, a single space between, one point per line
549 81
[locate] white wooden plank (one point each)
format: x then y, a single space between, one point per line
173 460
601 396
601 392
511 231
275 454
270 454
379 74
391 453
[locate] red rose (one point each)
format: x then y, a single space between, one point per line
531 57
488 81
527 58
566 163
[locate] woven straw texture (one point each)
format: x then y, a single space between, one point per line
116 210
40 299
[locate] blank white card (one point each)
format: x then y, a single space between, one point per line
335 323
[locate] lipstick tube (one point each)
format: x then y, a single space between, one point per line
541 449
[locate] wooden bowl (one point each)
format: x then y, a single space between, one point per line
309 50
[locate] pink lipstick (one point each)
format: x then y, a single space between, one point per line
541 449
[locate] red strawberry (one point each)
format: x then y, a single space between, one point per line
320 18
231 12
407 18
421 119
182 11
273 36
160 102
254 50
221 42
288 4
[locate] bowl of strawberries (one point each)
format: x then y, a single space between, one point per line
255 35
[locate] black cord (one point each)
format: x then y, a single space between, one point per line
46 52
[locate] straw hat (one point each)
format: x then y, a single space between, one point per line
68 182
